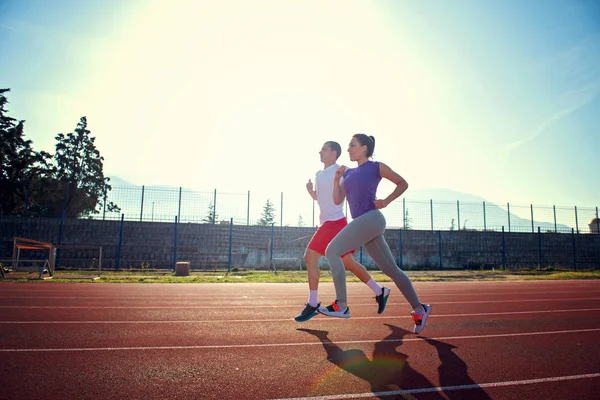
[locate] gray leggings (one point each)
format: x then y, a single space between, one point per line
367 230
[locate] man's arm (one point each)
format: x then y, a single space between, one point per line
309 188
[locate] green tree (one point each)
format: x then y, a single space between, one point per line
268 214
212 216
407 220
79 171
21 168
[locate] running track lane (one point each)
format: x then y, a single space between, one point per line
501 340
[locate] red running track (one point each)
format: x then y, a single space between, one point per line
498 340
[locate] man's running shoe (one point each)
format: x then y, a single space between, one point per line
308 312
334 310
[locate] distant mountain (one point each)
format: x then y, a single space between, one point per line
116 181
472 211
441 194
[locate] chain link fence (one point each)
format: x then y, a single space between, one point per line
213 230
149 204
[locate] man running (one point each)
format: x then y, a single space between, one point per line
332 220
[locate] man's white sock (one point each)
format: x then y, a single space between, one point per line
313 297
375 287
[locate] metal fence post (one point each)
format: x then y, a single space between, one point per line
508 209
597 220
440 248
431 212
248 210
142 205
230 244
458 213
539 248
179 207
574 250
532 227
272 243
484 222
503 250
120 244
576 221
281 211
555 229
175 246
400 260
215 207
404 211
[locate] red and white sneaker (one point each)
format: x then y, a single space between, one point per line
334 310
421 318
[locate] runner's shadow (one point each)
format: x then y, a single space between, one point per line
453 371
388 371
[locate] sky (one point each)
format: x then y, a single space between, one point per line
498 99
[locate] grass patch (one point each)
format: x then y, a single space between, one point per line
251 276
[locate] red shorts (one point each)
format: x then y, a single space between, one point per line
325 234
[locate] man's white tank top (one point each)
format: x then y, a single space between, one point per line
328 210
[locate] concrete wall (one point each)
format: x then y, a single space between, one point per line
206 246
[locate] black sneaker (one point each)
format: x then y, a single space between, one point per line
382 299
308 312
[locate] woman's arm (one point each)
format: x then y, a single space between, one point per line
401 185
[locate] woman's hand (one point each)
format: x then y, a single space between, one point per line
380 203
340 172
339 194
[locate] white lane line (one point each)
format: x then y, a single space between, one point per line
199 296
449 388
221 321
261 345
168 307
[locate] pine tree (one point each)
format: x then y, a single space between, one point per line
212 216
268 214
21 168
79 170
407 221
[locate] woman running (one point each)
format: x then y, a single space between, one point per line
359 185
